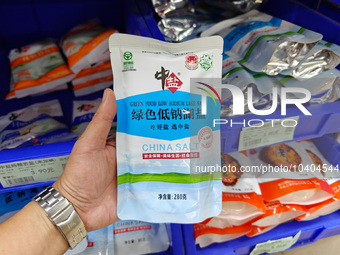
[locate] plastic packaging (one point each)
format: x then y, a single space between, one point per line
160 137
285 175
255 230
39 123
38 69
171 8
11 93
331 175
263 43
260 84
93 79
138 237
324 56
86 45
234 6
83 112
277 213
241 198
206 235
324 87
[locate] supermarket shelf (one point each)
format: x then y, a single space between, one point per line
311 231
324 117
35 21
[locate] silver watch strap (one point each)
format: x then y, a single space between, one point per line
62 213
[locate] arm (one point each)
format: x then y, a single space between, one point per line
88 182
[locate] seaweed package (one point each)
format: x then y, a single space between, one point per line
241 198
38 68
264 43
284 175
162 135
138 237
331 175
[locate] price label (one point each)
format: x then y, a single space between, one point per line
262 134
31 171
278 245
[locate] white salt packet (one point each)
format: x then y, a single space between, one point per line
160 136
138 237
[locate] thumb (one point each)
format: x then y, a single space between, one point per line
96 133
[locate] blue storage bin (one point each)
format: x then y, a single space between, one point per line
25 22
330 8
311 231
325 118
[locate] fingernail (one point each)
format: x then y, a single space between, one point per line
105 95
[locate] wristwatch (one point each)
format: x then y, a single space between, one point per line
62 213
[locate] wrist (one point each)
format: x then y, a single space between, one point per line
47 230
60 211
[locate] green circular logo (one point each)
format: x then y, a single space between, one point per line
127 55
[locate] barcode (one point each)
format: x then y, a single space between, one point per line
20 180
252 143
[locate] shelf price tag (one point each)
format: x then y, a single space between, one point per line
31 171
278 245
266 133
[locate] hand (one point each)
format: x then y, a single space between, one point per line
89 180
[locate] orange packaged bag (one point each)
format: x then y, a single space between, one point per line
206 235
331 176
86 45
277 213
255 230
11 93
241 195
38 68
285 175
93 79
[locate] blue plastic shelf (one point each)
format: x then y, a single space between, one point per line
311 231
325 119
24 22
